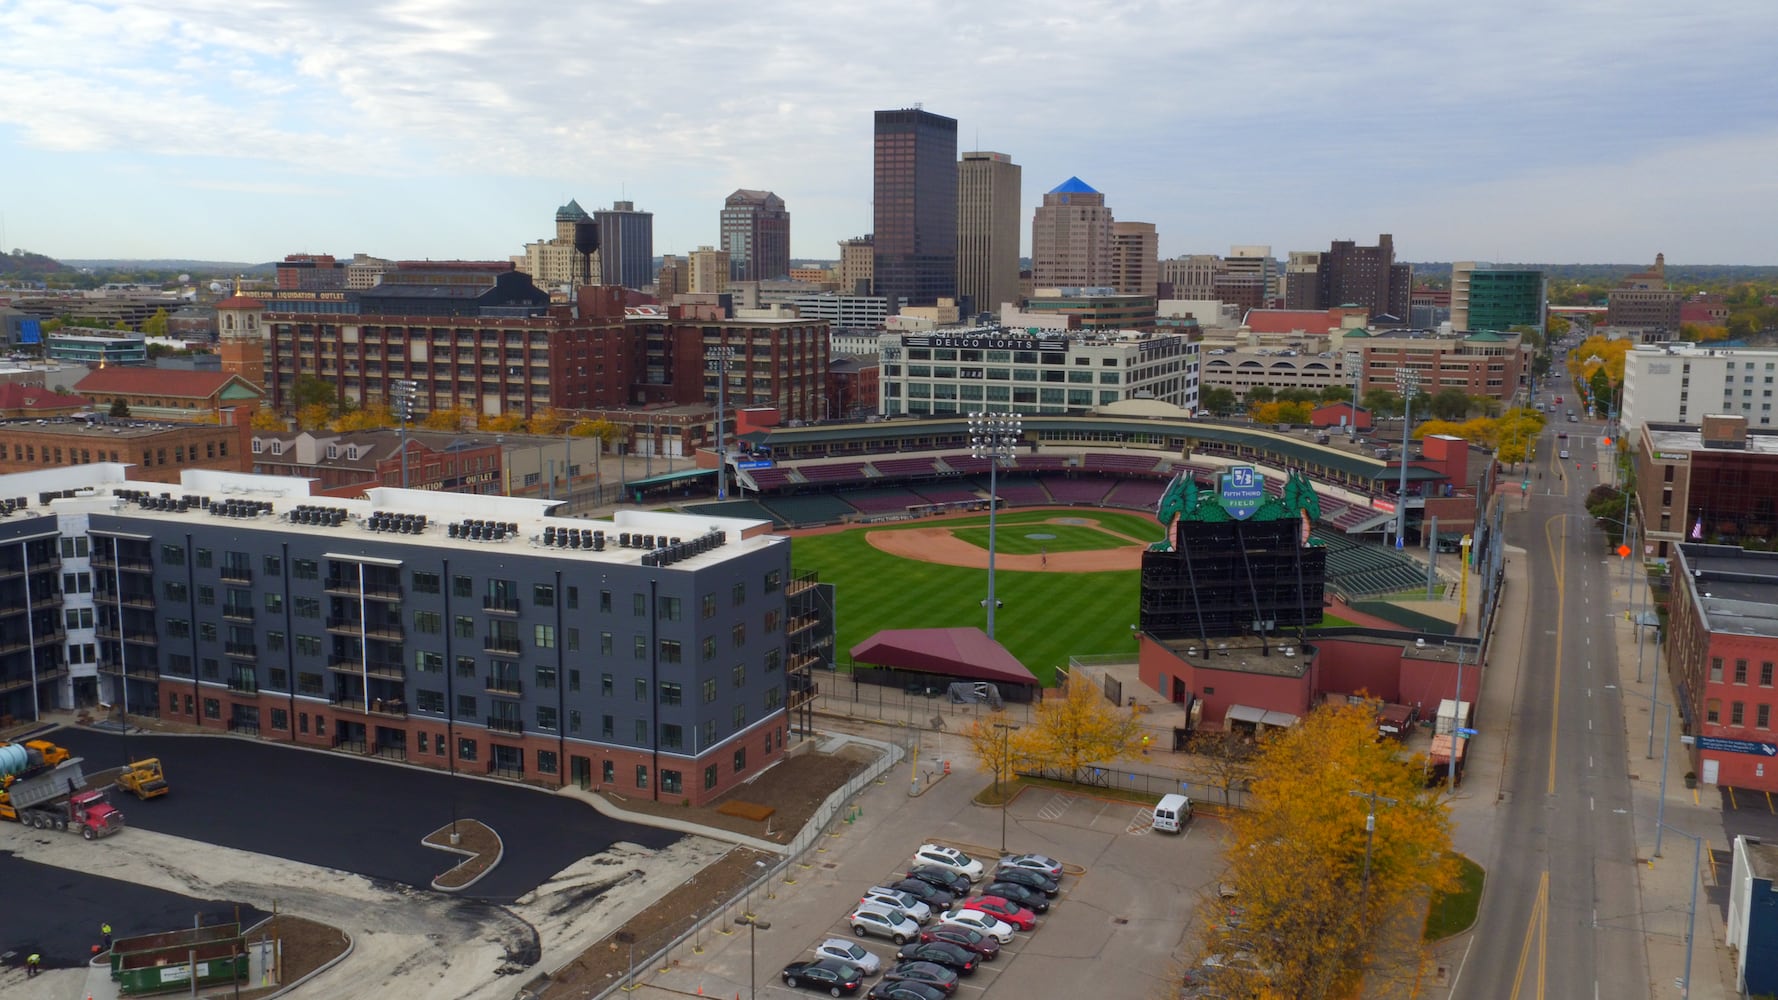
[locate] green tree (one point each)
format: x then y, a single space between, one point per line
1450 404
1599 389
312 391
1217 400
1260 394
120 408
156 325
1335 394
1382 402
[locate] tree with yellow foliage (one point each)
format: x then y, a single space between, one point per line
547 422
1610 353
510 422
313 417
1323 901
454 419
267 420
364 418
1079 729
997 751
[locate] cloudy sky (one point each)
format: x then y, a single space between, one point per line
1506 130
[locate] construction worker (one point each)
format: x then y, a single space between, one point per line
33 965
105 929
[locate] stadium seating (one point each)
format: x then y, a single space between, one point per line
967 464
1121 463
943 493
768 479
836 473
904 467
1086 491
887 500
808 508
1041 463
734 508
1356 569
1020 492
1136 494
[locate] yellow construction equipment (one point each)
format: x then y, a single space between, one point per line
144 779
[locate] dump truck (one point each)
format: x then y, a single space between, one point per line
54 796
144 779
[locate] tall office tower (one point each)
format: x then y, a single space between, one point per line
1252 273
626 245
915 207
1192 276
857 260
1071 238
1302 280
1135 249
709 271
987 230
673 279
1366 276
756 234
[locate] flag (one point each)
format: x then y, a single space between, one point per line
1698 529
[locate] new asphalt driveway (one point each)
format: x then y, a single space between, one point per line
347 813
57 913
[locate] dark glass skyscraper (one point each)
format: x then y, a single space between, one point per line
915 206
756 234
626 245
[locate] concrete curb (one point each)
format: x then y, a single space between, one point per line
351 946
499 856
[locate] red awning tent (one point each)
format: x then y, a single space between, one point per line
951 652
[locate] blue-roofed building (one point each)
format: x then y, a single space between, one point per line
1071 238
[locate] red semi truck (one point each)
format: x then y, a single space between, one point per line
52 796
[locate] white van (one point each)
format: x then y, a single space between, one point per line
1171 813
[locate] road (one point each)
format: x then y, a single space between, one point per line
1560 917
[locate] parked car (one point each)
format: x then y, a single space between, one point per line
925 973
1012 913
899 900
924 891
943 878
967 938
883 922
949 858
851 952
830 975
1013 892
1030 880
904 989
1035 862
976 920
958 959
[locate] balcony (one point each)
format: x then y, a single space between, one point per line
44 676
498 724
126 565
241 650
138 636
238 612
392 708
348 587
142 671
388 631
236 574
500 605
244 685
503 645
504 685
387 669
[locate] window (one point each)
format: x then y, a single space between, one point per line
709 606
709 733
606 685
739 674
305 569
175 591
641 775
1762 716
424 583
423 743
466 750
571 640
605 601
774 618
1737 713
608 771
308 645
1765 675
428 622
772 658
639 605
672 693
172 555
546 762
774 697
543 595
672 736
738 596
738 635
546 678
307 607
543 636
641 689
709 648
462 586
466 707
667 609
740 717
710 777
212 708
280 719
274 603
207 631
205 558
640 646
641 732
428 662
709 690
274 565
1740 671
573 597
466 666
278 679
546 718
740 760
429 701
1716 670
671 781
1713 711
607 727
774 580
670 651
573 681
463 626
605 644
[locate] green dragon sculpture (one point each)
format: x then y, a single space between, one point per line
1183 500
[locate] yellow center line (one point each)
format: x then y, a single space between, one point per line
1558 559
1536 929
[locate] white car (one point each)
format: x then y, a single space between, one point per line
1035 862
895 899
883 922
976 920
950 859
852 952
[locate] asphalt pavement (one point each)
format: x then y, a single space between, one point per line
57 913
352 814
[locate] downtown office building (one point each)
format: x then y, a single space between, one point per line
648 654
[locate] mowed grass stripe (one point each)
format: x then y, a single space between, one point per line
1016 540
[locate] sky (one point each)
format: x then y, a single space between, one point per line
244 130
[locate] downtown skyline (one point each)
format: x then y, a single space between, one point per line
247 130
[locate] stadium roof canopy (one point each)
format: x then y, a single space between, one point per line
952 652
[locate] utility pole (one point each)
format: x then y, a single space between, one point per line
1370 836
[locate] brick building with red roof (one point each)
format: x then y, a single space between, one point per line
171 394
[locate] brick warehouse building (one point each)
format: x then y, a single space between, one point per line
1723 646
654 670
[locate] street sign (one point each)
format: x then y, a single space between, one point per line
1721 745
1465 732
1623 551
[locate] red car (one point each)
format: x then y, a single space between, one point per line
1010 912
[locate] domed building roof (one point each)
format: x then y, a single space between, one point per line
572 212
239 301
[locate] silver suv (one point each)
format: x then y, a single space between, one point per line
870 918
895 899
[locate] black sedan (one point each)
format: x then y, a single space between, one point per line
954 957
926 892
1030 880
830 974
942 878
964 937
927 974
1025 896
905 989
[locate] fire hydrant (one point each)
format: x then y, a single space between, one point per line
947 767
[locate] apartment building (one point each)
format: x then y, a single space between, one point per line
1481 364
645 654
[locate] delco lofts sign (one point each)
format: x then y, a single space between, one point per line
986 342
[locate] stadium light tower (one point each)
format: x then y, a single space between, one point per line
1408 381
993 436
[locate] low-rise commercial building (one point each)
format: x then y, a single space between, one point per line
1722 651
160 452
1709 482
999 369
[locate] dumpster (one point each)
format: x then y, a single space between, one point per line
156 963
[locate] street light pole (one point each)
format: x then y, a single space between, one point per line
1691 920
753 924
1005 761
1407 380
1354 371
993 436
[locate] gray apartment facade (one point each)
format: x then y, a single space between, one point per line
644 654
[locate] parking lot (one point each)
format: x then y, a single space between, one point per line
1125 907
350 814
